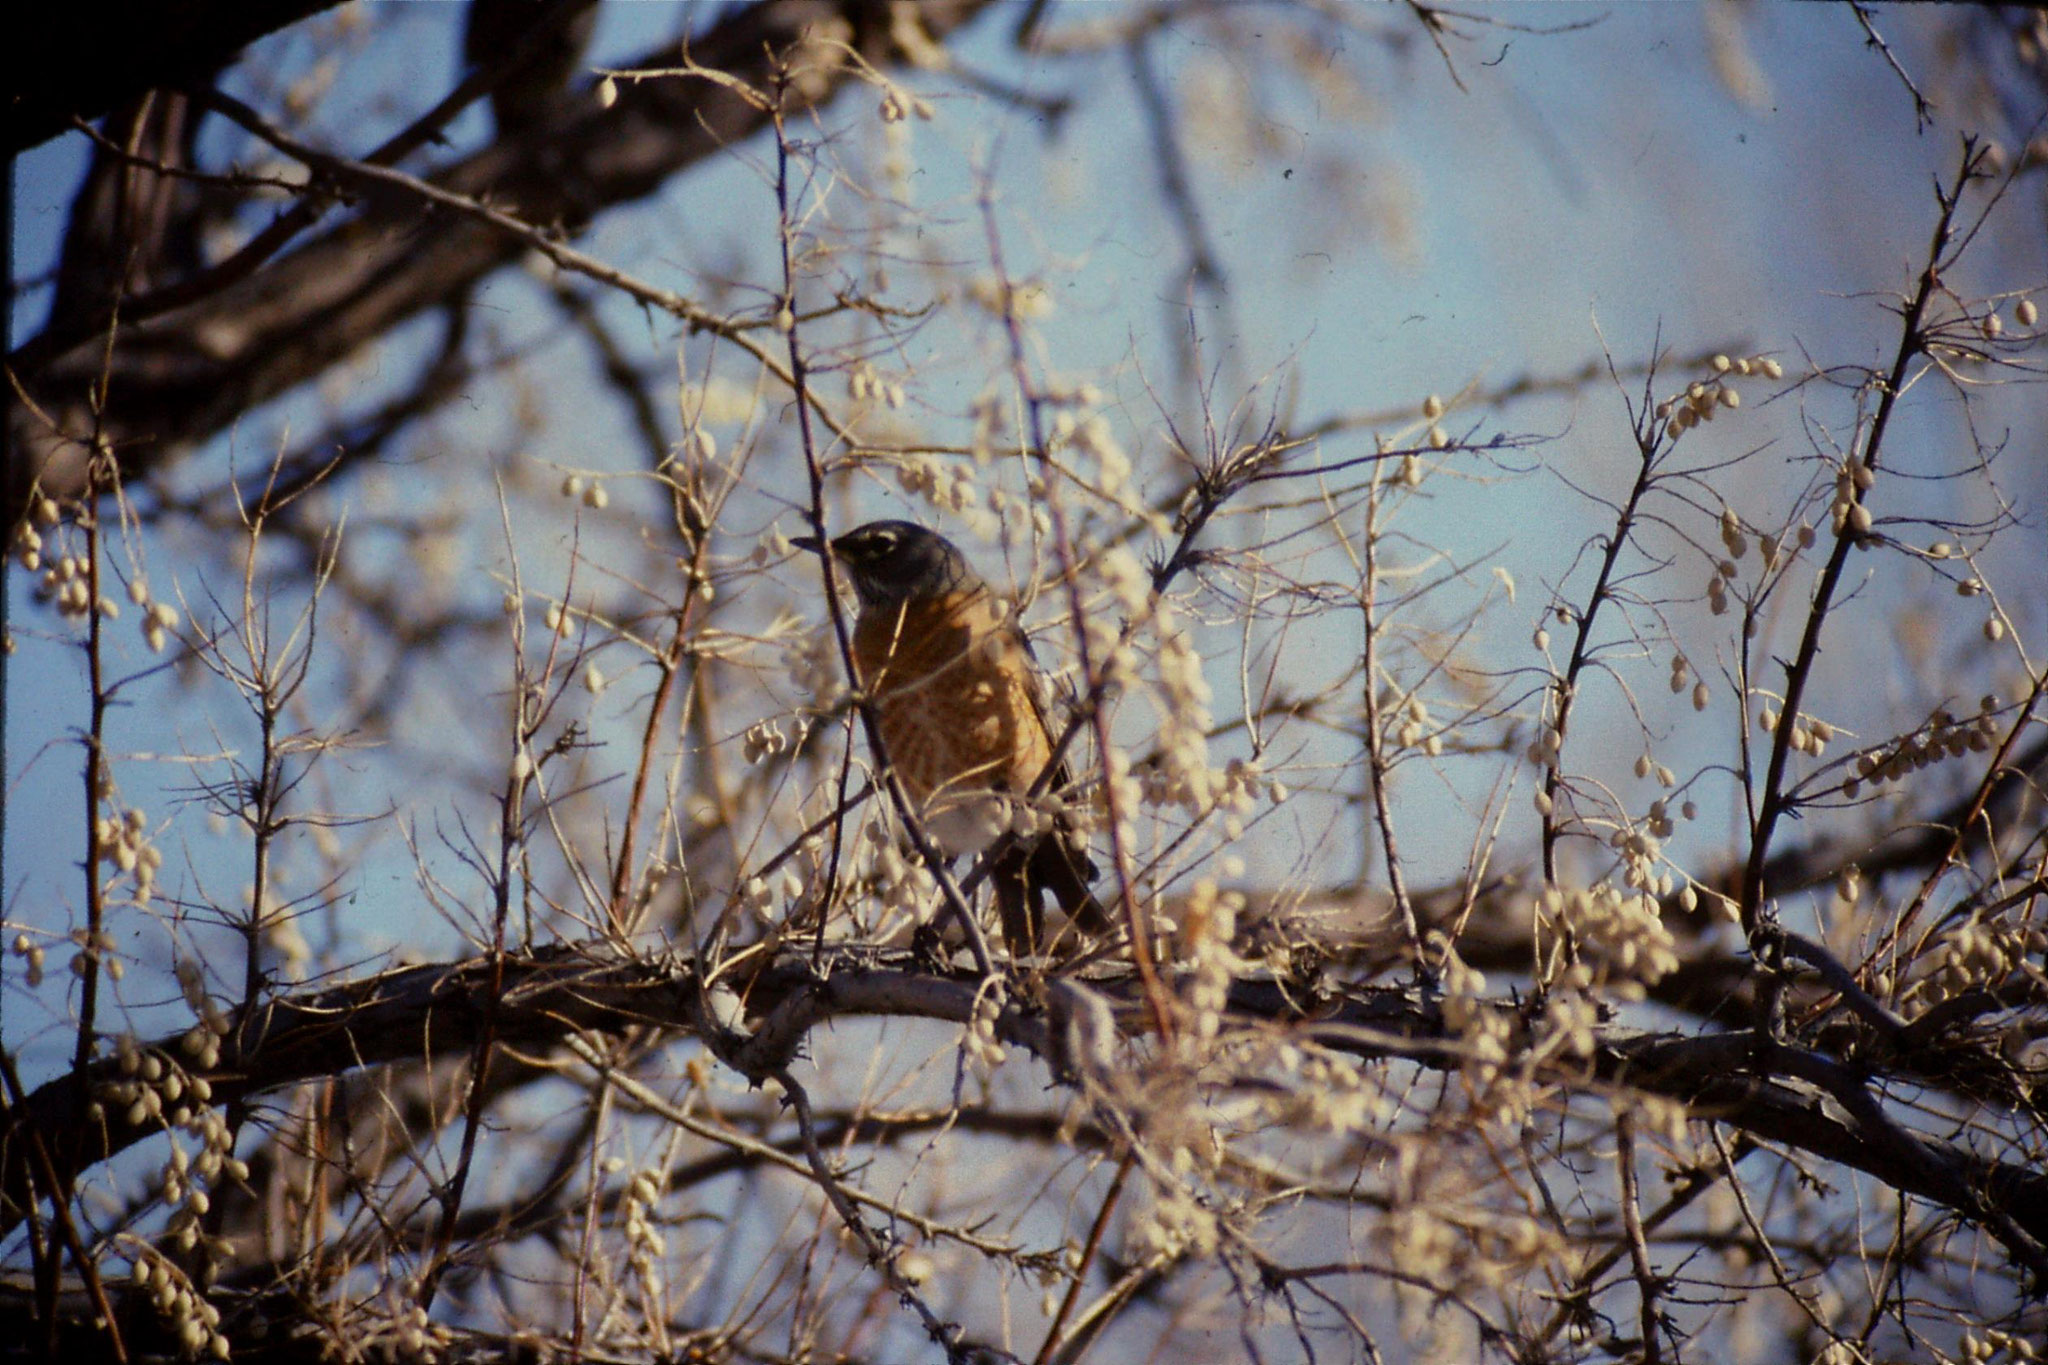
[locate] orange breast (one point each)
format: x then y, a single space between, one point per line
954 696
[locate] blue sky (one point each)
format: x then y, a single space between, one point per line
1606 175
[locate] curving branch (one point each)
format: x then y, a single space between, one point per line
190 371
51 82
1791 1097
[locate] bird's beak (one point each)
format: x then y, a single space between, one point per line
811 543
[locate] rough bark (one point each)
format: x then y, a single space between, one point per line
179 375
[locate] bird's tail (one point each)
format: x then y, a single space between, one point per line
1057 864
1060 865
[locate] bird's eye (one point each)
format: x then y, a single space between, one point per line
882 543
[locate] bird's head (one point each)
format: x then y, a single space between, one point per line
893 562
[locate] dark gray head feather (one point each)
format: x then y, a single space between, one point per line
893 562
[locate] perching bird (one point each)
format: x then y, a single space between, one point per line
960 705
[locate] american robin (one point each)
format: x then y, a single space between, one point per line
961 708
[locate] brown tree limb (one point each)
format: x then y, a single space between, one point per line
79 61
1775 1093
191 372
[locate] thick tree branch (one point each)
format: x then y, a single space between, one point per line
1797 1099
79 61
189 373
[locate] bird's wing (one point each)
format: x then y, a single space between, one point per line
1060 863
1052 718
